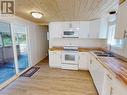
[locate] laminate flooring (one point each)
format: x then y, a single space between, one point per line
52 81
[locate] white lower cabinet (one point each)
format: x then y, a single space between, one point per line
119 88
55 59
83 60
105 82
107 87
97 74
113 86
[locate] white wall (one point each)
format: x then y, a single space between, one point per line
38 43
36 35
121 51
78 42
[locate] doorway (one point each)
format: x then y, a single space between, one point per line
7 63
21 44
14 56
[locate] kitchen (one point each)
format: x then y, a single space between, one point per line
82 47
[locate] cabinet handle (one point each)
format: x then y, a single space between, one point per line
90 61
70 25
109 76
125 34
111 91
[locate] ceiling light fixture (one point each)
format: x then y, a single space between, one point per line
37 15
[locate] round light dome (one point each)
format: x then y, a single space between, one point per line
37 15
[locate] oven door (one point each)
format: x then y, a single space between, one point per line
70 57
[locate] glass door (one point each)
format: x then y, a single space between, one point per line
7 63
20 34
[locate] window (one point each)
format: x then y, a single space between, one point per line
111 34
1 44
6 36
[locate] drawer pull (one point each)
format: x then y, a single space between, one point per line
109 77
90 61
125 34
111 91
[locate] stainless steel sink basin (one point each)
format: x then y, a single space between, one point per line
103 54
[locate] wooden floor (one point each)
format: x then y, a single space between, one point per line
48 81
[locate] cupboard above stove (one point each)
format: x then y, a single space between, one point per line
82 29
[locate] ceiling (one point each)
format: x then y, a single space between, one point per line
63 10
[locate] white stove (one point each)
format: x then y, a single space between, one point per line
70 58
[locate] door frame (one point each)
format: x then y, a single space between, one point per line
11 24
27 41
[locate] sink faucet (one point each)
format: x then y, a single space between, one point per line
110 47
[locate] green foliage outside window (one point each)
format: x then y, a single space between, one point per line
7 41
20 38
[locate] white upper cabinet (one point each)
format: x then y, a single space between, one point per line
103 28
74 25
121 26
98 28
67 25
84 29
55 29
94 28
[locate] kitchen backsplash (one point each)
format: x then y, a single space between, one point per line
88 43
121 51
78 42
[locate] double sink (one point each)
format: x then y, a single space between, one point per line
103 54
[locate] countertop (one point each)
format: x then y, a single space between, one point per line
56 49
90 49
87 49
117 66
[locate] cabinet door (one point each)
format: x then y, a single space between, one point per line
107 88
103 28
119 88
94 29
121 26
83 63
84 29
67 26
55 59
74 25
92 67
97 75
55 29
